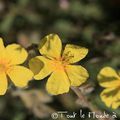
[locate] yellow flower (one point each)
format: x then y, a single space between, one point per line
10 58
63 73
110 80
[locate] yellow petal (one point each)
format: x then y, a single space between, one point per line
74 53
1 44
51 46
41 67
16 54
3 83
2 48
116 104
108 77
110 97
20 75
58 83
77 74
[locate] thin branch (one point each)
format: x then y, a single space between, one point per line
88 104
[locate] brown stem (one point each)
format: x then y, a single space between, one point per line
88 103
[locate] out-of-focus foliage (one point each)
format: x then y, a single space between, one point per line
94 24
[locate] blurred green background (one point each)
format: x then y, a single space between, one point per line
94 24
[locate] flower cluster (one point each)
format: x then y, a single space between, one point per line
59 64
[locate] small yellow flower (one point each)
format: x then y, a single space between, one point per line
110 80
63 73
10 58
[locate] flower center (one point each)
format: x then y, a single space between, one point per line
4 65
58 64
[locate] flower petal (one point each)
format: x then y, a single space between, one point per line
51 46
2 48
1 44
77 74
20 75
41 67
16 53
74 53
3 83
58 83
108 77
111 97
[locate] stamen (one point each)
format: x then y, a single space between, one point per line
58 64
67 56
